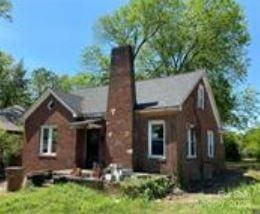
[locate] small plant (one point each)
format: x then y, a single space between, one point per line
151 188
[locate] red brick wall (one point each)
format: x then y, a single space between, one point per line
176 141
141 160
120 108
203 120
66 146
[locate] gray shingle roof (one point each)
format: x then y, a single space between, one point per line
10 117
155 93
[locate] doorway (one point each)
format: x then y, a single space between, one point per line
93 139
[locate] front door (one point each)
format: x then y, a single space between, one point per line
93 138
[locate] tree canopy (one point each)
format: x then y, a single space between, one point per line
5 9
177 36
41 79
251 143
13 84
169 37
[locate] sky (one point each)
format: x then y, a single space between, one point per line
53 33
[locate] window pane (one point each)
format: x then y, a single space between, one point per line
193 143
45 140
157 147
192 150
157 131
54 140
157 139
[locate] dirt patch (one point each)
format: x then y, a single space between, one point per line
235 175
190 198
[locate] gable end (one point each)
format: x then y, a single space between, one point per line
42 98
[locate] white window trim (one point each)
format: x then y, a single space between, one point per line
156 122
201 97
50 141
210 142
189 155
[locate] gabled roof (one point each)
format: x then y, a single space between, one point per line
10 117
70 102
155 93
150 94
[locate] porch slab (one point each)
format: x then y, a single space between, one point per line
84 172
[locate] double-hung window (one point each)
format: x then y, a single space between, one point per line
192 144
48 140
156 139
210 142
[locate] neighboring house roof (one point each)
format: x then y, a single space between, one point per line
10 117
157 93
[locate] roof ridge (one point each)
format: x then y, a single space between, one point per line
173 76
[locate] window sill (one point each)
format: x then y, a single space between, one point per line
48 155
210 157
159 158
191 157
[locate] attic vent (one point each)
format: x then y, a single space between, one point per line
50 105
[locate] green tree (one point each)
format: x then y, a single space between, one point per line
78 81
251 143
176 36
232 143
13 84
82 80
5 9
247 108
41 79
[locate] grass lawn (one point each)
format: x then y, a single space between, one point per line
71 198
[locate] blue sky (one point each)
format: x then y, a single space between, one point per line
52 33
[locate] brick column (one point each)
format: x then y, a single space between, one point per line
120 108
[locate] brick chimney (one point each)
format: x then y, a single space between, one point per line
120 108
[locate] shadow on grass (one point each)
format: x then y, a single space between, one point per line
235 175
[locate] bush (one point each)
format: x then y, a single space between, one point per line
10 148
151 188
231 144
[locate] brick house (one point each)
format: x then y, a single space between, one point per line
164 125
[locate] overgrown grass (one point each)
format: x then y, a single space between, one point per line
67 198
71 198
245 199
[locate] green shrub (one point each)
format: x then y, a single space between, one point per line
10 148
151 188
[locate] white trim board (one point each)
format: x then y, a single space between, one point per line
42 98
212 101
156 122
